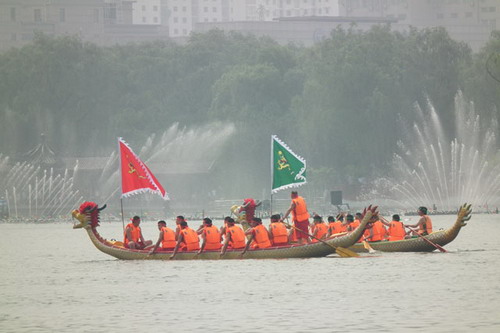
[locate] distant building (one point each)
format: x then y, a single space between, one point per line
147 12
107 22
103 22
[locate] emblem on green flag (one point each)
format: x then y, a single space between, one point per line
288 169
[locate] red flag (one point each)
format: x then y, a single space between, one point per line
136 176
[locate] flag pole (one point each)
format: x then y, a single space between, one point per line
123 219
121 182
272 174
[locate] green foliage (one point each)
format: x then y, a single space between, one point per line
337 103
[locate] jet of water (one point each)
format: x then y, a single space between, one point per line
431 170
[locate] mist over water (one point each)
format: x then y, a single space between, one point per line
430 169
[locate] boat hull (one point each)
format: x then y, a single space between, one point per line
291 251
419 244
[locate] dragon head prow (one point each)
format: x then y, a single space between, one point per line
464 214
87 214
370 214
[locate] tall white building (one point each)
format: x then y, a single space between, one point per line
146 12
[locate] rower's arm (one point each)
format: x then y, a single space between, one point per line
292 207
157 243
226 243
384 221
203 243
181 237
129 234
248 245
422 220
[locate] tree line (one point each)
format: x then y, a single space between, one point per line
339 103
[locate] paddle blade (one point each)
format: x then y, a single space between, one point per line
345 253
368 247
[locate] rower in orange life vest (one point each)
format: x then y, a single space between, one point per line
188 239
376 233
166 238
278 232
336 227
424 225
234 238
178 221
300 217
259 236
396 230
319 229
223 229
132 237
210 234
353 223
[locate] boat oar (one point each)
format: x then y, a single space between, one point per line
439 247
339 250
368 247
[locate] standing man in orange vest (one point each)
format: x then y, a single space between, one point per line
424 225
166 238
133 235
278 232
300 217
210 235
188 238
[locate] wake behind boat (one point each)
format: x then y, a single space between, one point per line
88 216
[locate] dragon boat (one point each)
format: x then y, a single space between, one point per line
419 244
88 216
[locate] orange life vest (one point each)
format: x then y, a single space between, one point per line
299 213
212 238
336 227
168 241
378 232
426 227
191 239
366 235
279 232
322 231
135 233
261 237
238 239
353 225
396 231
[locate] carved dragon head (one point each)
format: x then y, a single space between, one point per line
464 214
87 214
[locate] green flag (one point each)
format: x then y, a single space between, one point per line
288 169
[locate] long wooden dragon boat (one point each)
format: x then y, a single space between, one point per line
441 237
88 215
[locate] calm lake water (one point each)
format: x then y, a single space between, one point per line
52 279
